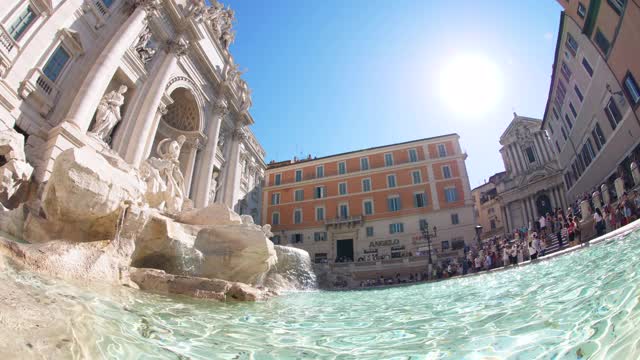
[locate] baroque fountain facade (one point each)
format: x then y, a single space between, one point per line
126 149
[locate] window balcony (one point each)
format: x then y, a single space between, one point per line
99 10
8 50
38 87
349 220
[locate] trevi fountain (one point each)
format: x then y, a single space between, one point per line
126 159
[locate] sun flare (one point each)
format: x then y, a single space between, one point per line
470 84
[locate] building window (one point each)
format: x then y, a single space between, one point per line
277 179
598 136
445 245
417 178
275 239
364 163
369 231
419 199
617 5
367 207
396 228
320 236
22 23
573 110
320 192
275 198
550 127
298 175
342 188
342 168
451 195
631 86
555 113
366 185
275 218
413 155
442 150
394 203
571 44
558 147
391 181
569 123
423 224
530 155
566 72
56 63
454 219
582 11
587 66
319 214
564 134
297 216
578 92
613 113
344 210
320 171
107 3
446 172
299 195
602 42
493 224
388 159
296 238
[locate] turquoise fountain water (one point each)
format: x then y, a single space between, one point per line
582 305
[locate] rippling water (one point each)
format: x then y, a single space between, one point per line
585 304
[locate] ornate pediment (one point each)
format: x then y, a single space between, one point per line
521 129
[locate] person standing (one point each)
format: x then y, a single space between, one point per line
599 223
534 243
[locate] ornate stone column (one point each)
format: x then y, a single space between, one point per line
97 80
205 168
192 149
635 173
619 184
597 199
144 127
161 111
232 173
606 197
585 210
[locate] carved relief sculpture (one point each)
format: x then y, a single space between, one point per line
168 167
144 52
108 114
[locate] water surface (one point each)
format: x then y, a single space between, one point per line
584 304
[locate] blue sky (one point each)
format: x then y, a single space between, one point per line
334 76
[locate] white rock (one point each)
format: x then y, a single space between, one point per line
214 214
235 253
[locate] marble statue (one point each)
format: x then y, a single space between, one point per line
245 95
168 167
221 139
108 113
215 186
16 171
144 52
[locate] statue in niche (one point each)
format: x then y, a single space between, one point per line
221 139
144 52
168 167
215 186
245 95
108 114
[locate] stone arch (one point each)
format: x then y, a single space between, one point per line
181 89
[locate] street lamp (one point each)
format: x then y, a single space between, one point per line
427 235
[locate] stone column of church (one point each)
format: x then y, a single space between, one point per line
534 211
527 212
519 155
514 159
542 157
522 211
144 127
503 217
98 78
232 177
205 168
554 198
543 145
162 110
510 223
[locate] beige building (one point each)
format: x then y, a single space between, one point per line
592 110
533 184
488 208
362 212
125 75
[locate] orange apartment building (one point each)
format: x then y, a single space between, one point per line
368 206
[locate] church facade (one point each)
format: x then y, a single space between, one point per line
533 184
124 75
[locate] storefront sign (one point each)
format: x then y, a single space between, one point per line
379 243
370 251
397 248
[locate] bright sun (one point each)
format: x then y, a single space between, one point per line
470 84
